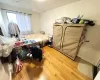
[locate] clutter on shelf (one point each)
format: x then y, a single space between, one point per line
78 20
63 20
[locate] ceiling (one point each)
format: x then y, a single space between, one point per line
37 5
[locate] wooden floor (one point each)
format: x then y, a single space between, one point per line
55 66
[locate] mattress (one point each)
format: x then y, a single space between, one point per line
38 37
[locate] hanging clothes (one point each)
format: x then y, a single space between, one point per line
13 29
1 33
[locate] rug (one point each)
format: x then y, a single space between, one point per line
86 68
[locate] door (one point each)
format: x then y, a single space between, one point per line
57 36
71 40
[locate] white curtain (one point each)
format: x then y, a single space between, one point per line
5 22
24 23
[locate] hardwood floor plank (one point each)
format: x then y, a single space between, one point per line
55 66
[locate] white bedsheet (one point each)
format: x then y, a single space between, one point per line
37 37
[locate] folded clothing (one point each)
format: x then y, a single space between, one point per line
11 58
7 40
18 65
6 46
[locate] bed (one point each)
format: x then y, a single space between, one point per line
41 38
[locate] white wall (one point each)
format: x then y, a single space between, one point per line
36 22
88 8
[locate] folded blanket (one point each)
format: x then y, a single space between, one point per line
6 46
7 40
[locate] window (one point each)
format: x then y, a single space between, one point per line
22 20
12 17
